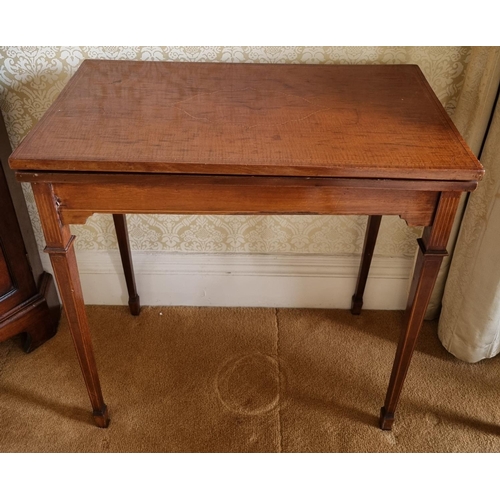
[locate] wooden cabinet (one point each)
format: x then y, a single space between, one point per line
29 304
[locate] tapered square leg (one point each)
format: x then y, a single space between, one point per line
366 260
432 250
120 222
62 255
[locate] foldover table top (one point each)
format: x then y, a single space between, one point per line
367 122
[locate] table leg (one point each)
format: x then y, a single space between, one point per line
366 260
432 250
120 221
62 255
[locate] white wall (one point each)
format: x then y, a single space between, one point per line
247 280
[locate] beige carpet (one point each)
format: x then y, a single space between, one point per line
206 380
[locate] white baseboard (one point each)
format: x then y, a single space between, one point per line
247 280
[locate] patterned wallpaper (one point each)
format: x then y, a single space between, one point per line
32 77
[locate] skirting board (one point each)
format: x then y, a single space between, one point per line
243 280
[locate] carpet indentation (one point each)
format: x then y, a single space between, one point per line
249 384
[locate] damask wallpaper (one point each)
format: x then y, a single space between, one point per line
32 77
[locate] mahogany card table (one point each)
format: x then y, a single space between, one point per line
211 138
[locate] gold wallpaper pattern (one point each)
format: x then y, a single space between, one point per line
32 77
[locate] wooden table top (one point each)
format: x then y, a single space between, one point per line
380 121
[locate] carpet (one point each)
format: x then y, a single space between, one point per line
192 379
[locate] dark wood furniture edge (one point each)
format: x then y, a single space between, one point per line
19 202
37 318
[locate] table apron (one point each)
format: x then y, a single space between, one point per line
205 195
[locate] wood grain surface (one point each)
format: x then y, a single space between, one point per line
249 119
79 195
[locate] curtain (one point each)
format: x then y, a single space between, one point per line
471 117
469 326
